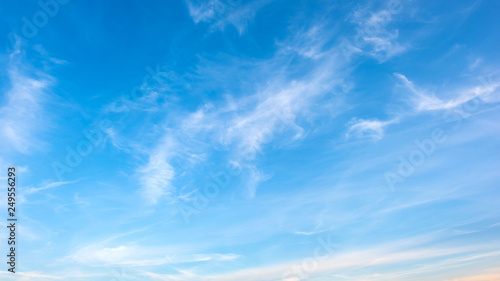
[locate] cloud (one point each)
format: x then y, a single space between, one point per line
371 129
309 43
275 111
51 185
423 100
203 11
36 275
374 35
343 263
23 114
253 180
132 255
220 13
157 175
494 274
245 123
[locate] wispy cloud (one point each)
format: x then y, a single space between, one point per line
493 274
269 125
375 33
36 275
22 114
51 185
220 13
156 176
245 123
141 256
342 264
371 129
424 100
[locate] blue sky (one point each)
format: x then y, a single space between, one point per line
252 140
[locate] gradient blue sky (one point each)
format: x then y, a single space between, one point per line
252 140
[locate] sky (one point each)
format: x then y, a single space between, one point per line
251 140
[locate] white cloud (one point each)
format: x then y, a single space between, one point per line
60 275
372 129
157 175
255 177
423 100
375 37
244 124
220 13
309 43
203 11
139 256
493 274
343 263
22 115
51 185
